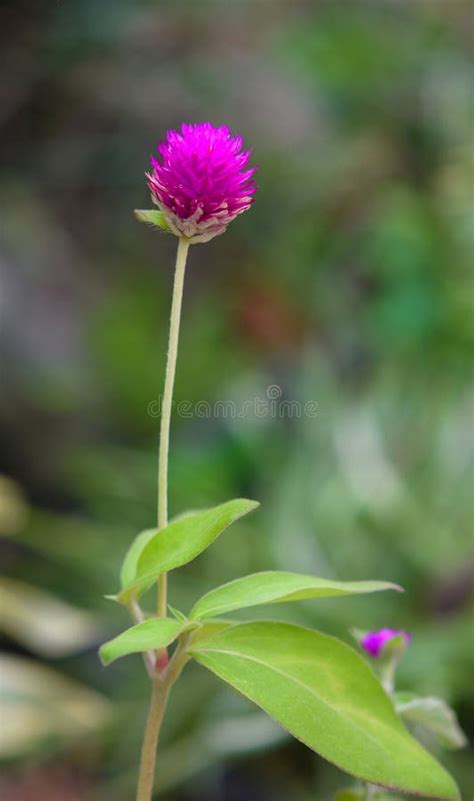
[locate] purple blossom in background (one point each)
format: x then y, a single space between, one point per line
201 180
374 641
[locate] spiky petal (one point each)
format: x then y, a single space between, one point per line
201 180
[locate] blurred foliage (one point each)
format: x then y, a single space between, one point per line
349 284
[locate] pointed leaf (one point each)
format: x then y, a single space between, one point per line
146 636
183 540
177 614
272 587
432 716
128 572
324 693
129 566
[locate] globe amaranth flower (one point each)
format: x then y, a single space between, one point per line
201 180
374 642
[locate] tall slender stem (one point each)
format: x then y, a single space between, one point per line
162 683
183 245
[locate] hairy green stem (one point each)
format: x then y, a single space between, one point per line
183 245
161 686
159 697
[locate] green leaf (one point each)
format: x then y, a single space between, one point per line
129 566
431 716
128 572
209 629
273 587
324 693
350 795
146 636
181 541
152 217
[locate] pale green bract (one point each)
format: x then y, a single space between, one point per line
152 217
149 635
180 542
324 693
432 717
277 586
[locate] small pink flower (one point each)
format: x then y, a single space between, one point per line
201 180
374 642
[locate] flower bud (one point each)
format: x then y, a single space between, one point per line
385 642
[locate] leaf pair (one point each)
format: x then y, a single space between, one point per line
316 687
270 587
154 552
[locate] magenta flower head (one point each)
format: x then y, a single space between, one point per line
374 642
201 180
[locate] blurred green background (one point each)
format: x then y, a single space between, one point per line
348 285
